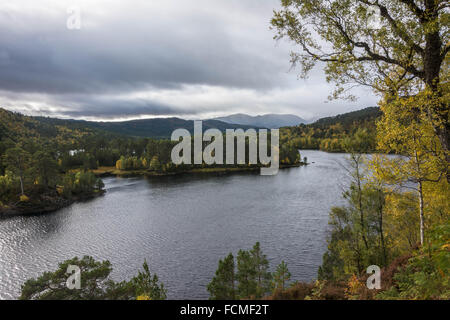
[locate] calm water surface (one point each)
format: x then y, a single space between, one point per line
182 225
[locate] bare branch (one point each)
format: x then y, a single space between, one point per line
401 33
372 56
415 9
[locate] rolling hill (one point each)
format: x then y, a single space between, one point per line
270 121
369 114
163 127
146 128
330 134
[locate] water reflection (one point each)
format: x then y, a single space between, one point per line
182 225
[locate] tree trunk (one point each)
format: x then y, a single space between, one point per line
422 223
380 221
233 285
432 66
438 115
361 211
21 185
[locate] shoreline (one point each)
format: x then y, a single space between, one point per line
103 172
47 207
58 203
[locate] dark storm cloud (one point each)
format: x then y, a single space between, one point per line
128 49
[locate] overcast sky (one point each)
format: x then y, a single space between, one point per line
145 58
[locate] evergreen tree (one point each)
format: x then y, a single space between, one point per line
146 284
262 275
45 167
95 284
222 286
17 161
281 276
246 274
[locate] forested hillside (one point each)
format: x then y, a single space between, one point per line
45 163
332 133
15 126
34 172
158 128
264 121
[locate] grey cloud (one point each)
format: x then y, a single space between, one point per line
121 109
133 49
172 47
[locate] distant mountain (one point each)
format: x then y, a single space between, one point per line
163 127
146 128
270 121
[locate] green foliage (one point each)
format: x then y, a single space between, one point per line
336 134
379 225
37 158
222 286
357 238
406 128
131 163
8 187
43 155
289 154
155 164
95 283
404 57
281 276
144 284
17 161
81 183
52 285
246 274
158 128
78 159
408 42
426 276
262 275
45 168
250 279
360 142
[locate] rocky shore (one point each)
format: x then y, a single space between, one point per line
44 203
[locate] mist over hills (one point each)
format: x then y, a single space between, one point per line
270 121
